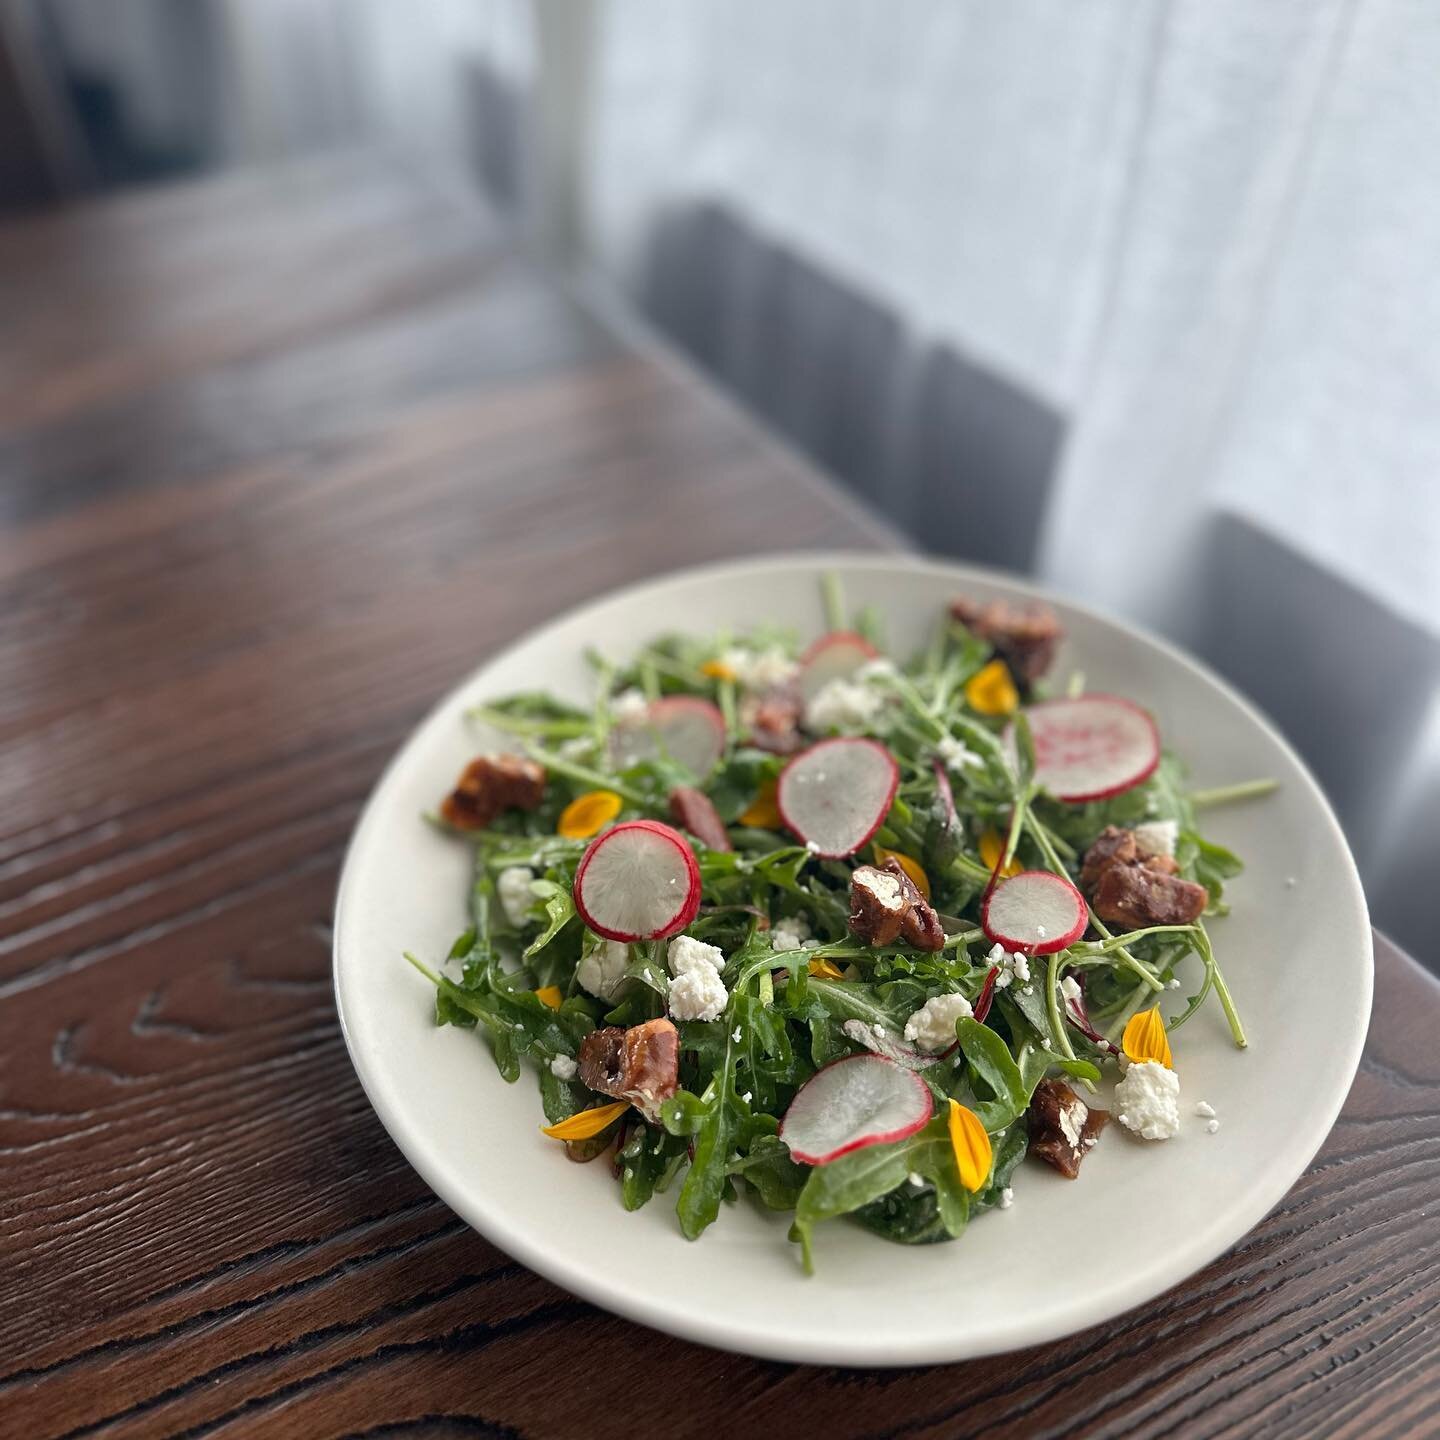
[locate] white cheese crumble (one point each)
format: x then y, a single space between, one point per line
955 754
878 1029
602 970
813 846
1211 1126
629 707
877 669
1073 1115
792 933
917 1182
1172 983
1205 1109
1149 1100
932 1027
736 1036
1007 1198
1070 989
687 953
783 939
843 705
760 670
516 897
563 1067
1156 837
1012 967
697 992
576 748
748 1096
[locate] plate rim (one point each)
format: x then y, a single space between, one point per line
694 1324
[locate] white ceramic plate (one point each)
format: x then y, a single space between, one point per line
1142 1217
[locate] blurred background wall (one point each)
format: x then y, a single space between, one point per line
1132 295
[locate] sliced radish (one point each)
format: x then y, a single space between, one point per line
835 656
892 1049
638 881
1034 911
835 795
1092 747
858 1101
687 729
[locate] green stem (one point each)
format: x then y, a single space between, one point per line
1052 1006
834 600
558 765
1227 1001
424 969
1224 794
962 937
523 725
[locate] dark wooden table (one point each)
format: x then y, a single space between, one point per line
284 455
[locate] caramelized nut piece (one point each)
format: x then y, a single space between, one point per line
490 784
1025 639
774 722
1113 846
640 1064
1063 1129
886 905
1138 895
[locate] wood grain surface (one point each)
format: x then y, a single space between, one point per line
281 457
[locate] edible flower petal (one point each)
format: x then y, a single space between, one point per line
587 1122
992 847
991 691
549 995
971 1145
718 670
825 970
1145 1039
763 813
912 868
586 813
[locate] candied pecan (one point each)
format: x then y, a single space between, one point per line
774 721
640 1064
886 905
1113 846
1165 864
490 784
651 1071
1025 639
600 1059
1139 895
1063 1129
691 810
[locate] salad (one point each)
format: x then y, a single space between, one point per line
833 932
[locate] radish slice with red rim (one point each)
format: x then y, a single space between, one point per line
858 1101
1092 747
836 794
638 881
689 730
1035 912
835 656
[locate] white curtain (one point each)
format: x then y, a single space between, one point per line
1202 231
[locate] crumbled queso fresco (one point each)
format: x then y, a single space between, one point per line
601 971
932 1027
955 755
697 992
842 705
513 888
1148 1101
1156 837
563 1067
1012 967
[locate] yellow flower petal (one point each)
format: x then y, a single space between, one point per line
763 813
586 813
971 1146
587 1122
549 995
992 847
1145 1039
912 868
717 670
825 970
991 691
